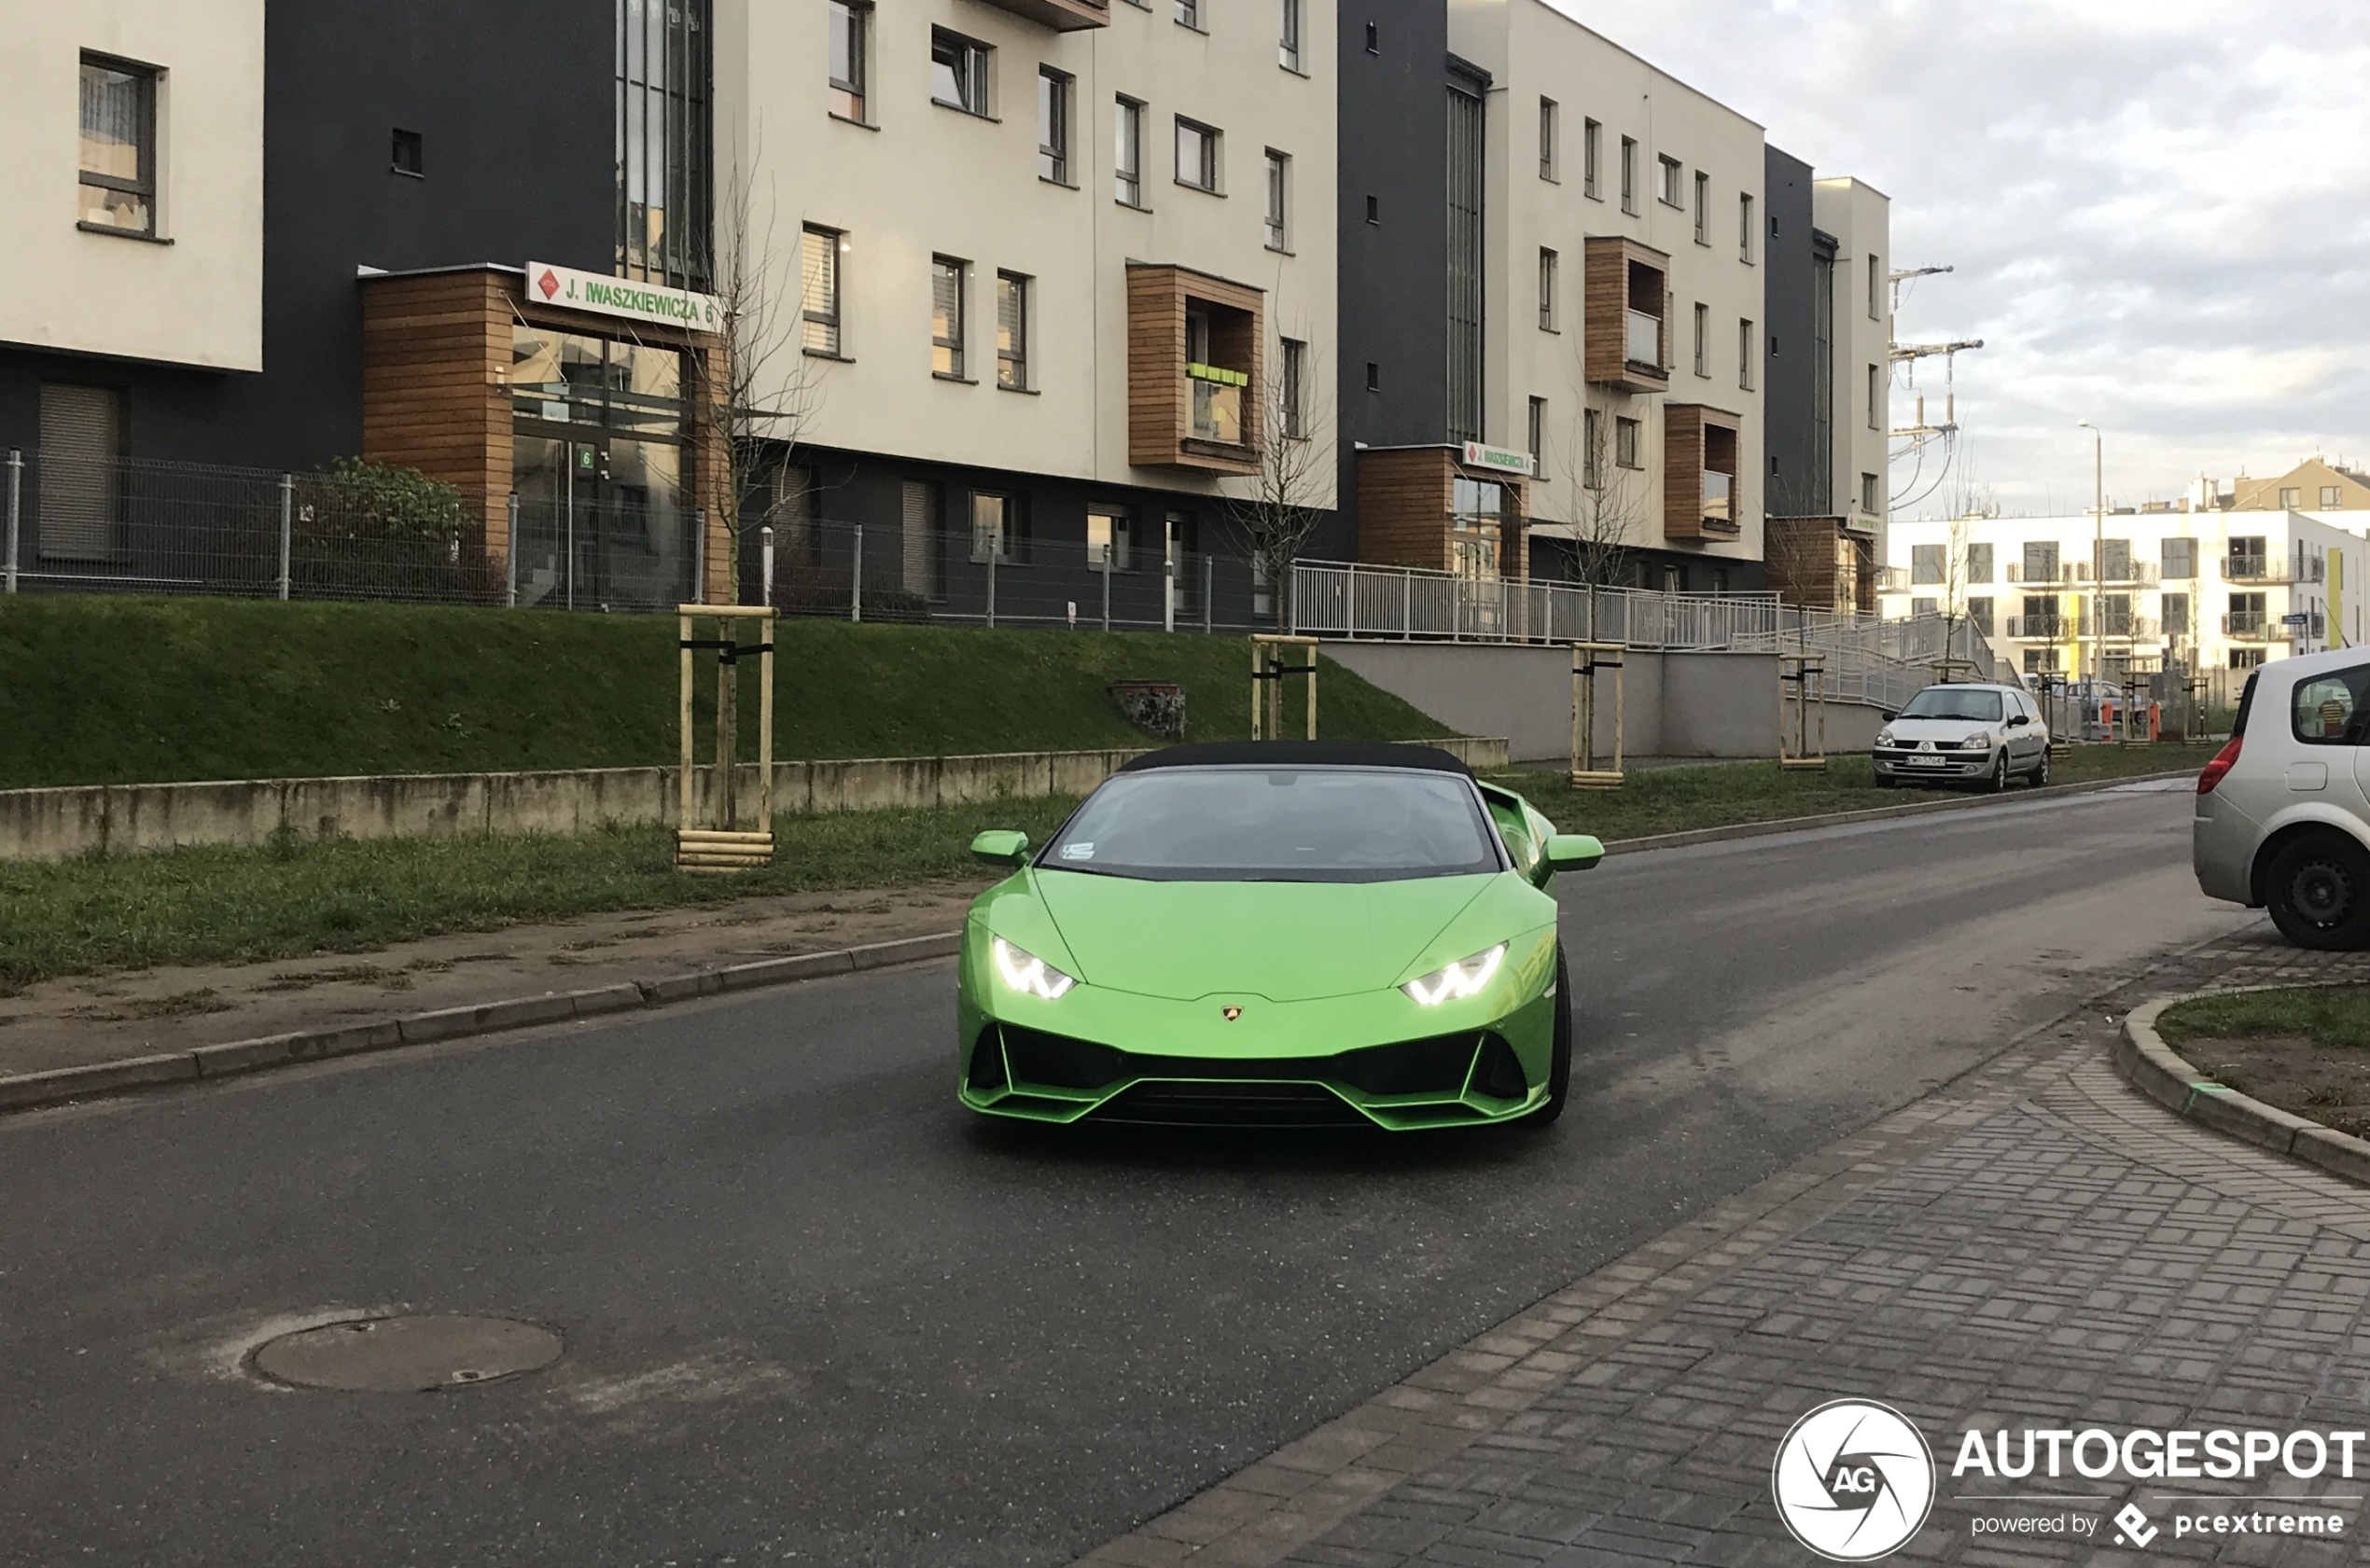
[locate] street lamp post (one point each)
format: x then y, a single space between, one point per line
2097 559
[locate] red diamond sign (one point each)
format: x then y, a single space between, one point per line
549 283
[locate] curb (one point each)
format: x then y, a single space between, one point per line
1877 814
63 1085
2156 1071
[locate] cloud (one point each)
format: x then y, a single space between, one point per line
2159 211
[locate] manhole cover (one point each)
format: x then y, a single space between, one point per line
406 1355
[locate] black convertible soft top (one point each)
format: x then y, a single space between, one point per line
1302 753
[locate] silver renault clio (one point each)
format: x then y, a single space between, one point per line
2282 819
1970 733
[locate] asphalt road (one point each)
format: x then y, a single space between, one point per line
816 1314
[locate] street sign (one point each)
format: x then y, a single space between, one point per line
1498 459
2299 618
574 290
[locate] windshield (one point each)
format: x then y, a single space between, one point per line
1300 825
1959 702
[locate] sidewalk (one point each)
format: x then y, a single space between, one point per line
2033 1245
104 1018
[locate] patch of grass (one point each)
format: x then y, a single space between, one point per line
1677 800
101 688
2333 1016
217 905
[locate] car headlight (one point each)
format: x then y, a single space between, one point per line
1026 972
1976 743
1455 981
1884 737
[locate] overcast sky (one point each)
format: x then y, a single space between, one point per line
2159 211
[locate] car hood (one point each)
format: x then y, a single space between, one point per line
1939 728
1283 941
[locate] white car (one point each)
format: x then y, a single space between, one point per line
2282 819
1963 733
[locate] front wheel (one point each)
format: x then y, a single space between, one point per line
1999 779
2318 891
1559 1059
2039 777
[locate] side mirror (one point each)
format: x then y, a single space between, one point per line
1001 846
1573 852
1891 715
2014 720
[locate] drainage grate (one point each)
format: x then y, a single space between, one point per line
407 1355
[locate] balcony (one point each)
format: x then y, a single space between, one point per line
2060 574
1700 472
1626 312
2255 569
1892 579
2037 628
1062 16
1193 371
2251 626
2129 574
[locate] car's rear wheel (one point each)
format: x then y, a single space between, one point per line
2318 891
1559 1059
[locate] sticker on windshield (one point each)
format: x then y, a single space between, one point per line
1078 851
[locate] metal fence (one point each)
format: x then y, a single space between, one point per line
1336 598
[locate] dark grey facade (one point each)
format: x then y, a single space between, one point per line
1797 478
513 103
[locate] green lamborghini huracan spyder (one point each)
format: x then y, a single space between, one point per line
1275 933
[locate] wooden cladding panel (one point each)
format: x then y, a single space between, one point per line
1407 501
1158 408
1695 437
1818 563
436 355
1062 16
1605 296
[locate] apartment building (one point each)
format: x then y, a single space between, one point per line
2210 591
2315 485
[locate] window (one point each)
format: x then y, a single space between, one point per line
2041 562
2114 560
1745 228
1703 338
664 141
1671 174
1189 14
1373 40
1537 430
1591 135
2248 558
1054 125
1629 175
1293 394
80 497
1468 178
2332 498
2041 616
1375 209
1924 606
958 72
1979 567
1703 208
1592 456
1979 613
920 514
1875 400
2246 659
1925 564
1546 290
1674 577
2176 614
1280 187
948 279
999 526
1547 135
1374 377
1625 443
850 50
1012 331
1287 34
819 289
1746 343
119 147
1876 289
1110 539
1127 157
408 154
2181 558
1196 155
2290 499
1868 495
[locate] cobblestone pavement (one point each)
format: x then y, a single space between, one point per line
2034 1245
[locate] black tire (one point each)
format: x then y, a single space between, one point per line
1886 781
1559 1060
2318 888
2039 777
1999 778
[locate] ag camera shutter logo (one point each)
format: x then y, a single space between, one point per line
1853 1480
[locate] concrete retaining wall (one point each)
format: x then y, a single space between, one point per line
57 824
1675 704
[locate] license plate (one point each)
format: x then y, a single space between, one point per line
1924 761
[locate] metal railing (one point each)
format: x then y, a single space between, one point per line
1336 598
2255 569
2250 626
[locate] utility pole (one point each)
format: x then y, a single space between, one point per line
1919 433
2098 558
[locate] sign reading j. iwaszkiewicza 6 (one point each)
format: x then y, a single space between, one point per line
574 290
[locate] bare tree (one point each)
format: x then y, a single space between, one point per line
1802 553
765 393
1286 503
1608 502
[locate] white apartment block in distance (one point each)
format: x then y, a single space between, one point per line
1049 266
2210 591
